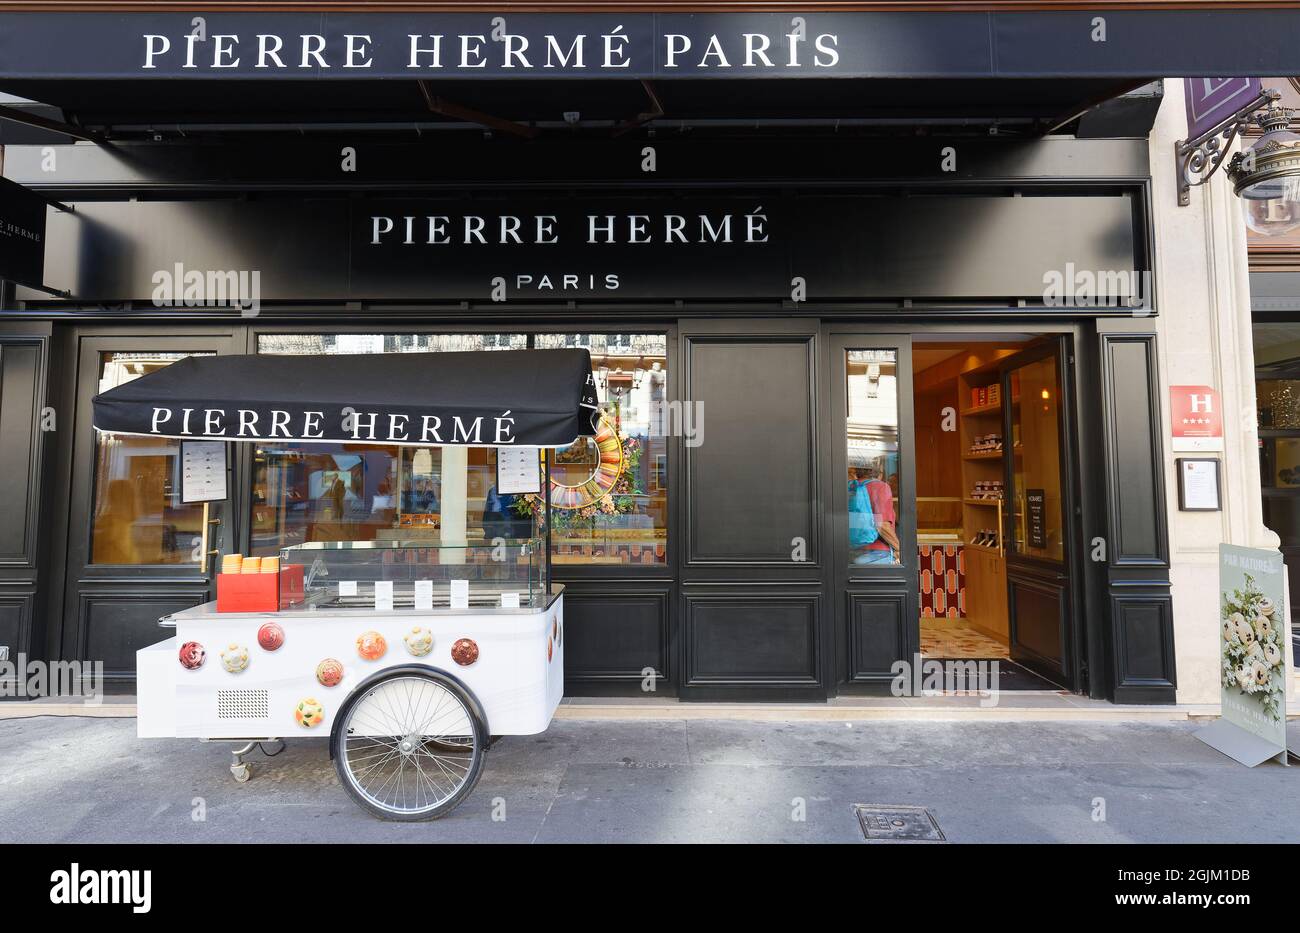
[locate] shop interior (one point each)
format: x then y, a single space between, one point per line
967 394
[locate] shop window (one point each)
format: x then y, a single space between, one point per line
873 466
331 344
1277 397
1036 495
138 516
609 494
344 492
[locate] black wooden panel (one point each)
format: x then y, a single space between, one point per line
1141 610
615 637
116 625
1037 618
1134 468
15 611
1144 648
751 485
878 635
19 420
747 639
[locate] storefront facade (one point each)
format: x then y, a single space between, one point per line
769 309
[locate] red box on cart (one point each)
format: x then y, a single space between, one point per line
260 592
292 590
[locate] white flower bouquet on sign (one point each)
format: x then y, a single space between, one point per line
1253 648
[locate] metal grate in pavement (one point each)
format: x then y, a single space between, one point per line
898 824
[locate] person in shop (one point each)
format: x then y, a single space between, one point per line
498 519
882 495
872 519
421 497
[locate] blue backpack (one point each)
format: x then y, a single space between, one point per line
862 521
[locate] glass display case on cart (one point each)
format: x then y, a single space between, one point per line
504 573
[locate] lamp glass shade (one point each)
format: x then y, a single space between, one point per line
1268 179
1272 207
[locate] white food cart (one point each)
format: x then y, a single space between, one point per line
411 655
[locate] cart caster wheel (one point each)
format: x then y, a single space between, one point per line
409 744
241 773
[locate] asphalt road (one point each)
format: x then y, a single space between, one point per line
91 780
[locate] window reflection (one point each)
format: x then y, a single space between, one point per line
343 492
138 516
609 494
873 464
363 492
1036 453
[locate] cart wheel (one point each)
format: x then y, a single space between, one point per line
241 772
458 742
410 745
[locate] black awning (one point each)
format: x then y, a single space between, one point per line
545 398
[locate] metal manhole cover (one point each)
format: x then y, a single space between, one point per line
898 824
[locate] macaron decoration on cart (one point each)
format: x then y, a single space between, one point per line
411 655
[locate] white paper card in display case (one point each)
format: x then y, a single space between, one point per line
347 587
509 600
423 594
384 595
460 594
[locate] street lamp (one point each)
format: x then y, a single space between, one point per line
1267 175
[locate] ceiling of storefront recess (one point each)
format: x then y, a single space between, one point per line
1018 107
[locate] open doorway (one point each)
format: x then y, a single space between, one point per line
991 505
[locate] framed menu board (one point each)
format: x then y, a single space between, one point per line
1198 484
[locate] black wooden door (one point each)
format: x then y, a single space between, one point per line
752 620
872 473
1039 511
133 552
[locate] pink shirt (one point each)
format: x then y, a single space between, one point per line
882 508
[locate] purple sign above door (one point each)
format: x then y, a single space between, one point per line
1212 100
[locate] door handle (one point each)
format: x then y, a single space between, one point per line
204 551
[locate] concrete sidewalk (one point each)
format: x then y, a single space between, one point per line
1039 705
91 780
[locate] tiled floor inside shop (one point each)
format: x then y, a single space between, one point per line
957 638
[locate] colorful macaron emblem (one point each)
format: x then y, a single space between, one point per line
329 672
309 713
419 641
464 652
234 658
371 646
270 636
192 655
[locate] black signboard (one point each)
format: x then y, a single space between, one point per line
1037 520
628 247
442 46
22 234
761 246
